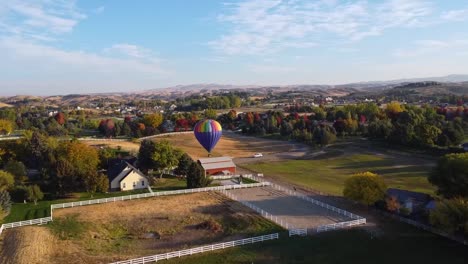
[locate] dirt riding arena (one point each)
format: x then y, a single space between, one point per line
295 211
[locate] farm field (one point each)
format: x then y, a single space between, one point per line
125 145
397 243
326 169
122 230
229 145
319 169
328 174
22 211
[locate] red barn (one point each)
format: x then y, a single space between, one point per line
218 166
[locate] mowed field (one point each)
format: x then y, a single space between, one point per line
129 229
328 173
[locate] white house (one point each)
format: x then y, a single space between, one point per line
125 177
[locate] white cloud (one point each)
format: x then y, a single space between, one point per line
44 18
430 46
455 15
29 48
129 50
268 26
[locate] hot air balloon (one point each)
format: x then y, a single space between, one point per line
208 132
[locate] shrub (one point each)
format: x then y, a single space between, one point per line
451 215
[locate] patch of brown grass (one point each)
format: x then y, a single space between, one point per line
229 145
130 229
28 245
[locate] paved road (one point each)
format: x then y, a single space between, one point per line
295 211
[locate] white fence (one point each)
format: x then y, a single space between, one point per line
45 220
9 138
316 202
186 252
262 212
146 195
223 177
341 225
358 220
103 139
298 232
166 134
38 221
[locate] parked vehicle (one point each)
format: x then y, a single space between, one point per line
257 155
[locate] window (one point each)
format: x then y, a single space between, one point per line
142 183
134 184
123 185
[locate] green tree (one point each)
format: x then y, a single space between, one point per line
6 127
96 182
451 175
165 156
17 169
366 188
183 168
145 155
153 120
6 180
429 134
65 179
34 193
83 158
210 113
451 215
196 177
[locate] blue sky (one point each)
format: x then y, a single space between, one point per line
88 46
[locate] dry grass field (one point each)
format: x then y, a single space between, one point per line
123 230
229 145
125 145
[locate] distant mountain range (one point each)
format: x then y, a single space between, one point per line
454 84
205 87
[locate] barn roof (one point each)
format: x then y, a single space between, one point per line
216 163
215 160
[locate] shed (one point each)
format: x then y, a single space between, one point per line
413 201
218 166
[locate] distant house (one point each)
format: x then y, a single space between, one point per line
123 176
465 146
413 201
218 166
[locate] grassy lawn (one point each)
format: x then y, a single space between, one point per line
328 174
22 211
399 244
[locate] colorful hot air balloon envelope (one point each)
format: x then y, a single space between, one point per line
208 132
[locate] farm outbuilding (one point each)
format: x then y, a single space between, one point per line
218 166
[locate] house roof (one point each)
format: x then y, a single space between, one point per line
132 169
116 166
404 195
216 163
